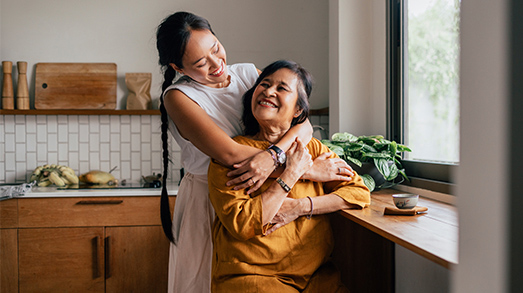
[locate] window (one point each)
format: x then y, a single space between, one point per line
423 77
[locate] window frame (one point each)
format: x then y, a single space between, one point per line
429 175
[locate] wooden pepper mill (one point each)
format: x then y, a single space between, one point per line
22 92
7 88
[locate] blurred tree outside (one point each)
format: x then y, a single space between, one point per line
432 100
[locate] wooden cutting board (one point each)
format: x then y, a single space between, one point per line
75 86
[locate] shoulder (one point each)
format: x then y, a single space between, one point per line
317 148
241 139
251 142
243 67
246 72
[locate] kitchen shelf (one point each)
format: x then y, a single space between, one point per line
79 112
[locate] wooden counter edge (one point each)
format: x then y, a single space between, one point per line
445 262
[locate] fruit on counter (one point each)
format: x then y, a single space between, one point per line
98 177
58 175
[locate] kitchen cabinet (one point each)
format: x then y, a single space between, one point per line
8 261
8 246
61 260
91 244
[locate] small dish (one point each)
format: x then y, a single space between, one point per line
405 201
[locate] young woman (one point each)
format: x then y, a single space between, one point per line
202 110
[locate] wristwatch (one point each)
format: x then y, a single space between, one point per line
280 155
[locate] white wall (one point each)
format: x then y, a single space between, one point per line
357 66
124 32
482 177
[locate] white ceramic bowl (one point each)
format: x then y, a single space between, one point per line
405 201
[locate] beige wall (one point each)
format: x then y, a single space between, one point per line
124 32
357 66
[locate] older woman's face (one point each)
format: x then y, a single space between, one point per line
274 100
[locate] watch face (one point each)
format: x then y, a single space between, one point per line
282 158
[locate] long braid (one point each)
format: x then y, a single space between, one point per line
172 36
165 211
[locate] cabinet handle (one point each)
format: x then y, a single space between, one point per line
88 202
107 258
96 265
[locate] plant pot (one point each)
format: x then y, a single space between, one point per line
369 168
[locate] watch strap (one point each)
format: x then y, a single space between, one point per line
280 154
276 149
276 164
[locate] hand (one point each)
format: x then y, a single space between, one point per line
327 169
289 211
252 172
299 160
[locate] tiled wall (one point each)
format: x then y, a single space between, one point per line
88 142
84 143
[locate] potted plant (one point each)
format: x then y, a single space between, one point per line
377 160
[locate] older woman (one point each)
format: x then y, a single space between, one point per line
278 239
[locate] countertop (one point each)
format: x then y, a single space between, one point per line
42 192
433 235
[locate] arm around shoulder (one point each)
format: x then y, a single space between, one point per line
195 125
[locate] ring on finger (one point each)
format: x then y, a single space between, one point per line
253 182
339 170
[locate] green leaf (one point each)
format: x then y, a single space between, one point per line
394 171
353 160
369 181
382 146
368 140
378 155
393 148
343 136
354 147
337 150
368 148
383 166
403 148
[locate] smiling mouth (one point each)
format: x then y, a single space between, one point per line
219 71
267 104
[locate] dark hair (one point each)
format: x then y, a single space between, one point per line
172 36
305 82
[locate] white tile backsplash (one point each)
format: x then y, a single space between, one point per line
84 143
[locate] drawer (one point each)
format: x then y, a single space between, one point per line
89 211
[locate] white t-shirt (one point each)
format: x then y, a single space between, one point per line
223 105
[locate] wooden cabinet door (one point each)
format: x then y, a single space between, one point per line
61 260
137 259
8 260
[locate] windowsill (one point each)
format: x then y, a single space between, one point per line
427 193
433 235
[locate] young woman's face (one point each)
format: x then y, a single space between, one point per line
204 59
274 101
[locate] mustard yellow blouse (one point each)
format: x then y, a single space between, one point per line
244 260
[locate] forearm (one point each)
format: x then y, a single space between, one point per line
273 197
231 153
302 131
327 204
